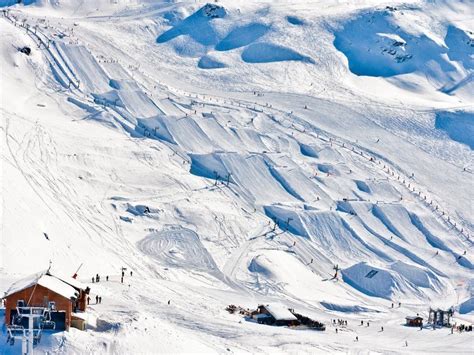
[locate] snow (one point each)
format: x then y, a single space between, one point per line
459 126
43 279
268 53
279 312
70 281
241 154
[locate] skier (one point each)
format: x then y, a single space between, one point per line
336 330
406 343
131 273
96 299
361 322
381 329
357 338
107 278
169 302
100 299
92 279
88 300
392 304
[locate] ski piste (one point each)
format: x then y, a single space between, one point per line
313 155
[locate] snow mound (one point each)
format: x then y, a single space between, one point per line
379 44
362 186
294 20
207 62
461 46
259 264
467 306
309 150
250 173
397 278
380 189
178 246
345 308
417 276
242 36
268 53
458 125
197 26
370 280
277 271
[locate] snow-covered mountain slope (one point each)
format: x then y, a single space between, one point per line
235 153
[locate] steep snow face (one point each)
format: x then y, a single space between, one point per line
260 181
458 125
391 45
393 282
387 49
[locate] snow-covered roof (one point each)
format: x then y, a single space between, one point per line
70 281
43 279
279 312
413 317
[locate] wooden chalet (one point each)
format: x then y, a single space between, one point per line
275 314
62 296
414 321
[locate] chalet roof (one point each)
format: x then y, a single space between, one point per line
43 279
70 281
279 312
413 317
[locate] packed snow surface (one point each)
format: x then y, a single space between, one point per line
312 155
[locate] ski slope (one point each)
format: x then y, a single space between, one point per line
235 153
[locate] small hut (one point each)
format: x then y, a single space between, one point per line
60 296
275 314
414 321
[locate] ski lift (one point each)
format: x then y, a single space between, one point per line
47 323
31 336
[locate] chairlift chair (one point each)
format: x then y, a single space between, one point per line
14 331
46 322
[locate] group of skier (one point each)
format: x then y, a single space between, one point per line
98 299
